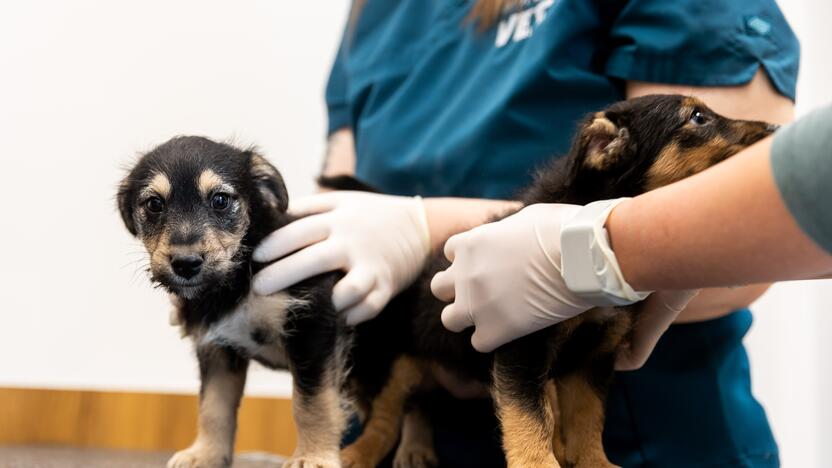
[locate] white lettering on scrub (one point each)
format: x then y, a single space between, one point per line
519 26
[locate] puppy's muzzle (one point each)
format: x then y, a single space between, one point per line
186 266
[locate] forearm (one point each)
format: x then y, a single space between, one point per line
340 154
449 216
723 227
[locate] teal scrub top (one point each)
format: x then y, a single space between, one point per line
439 108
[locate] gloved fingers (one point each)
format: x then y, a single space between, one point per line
442 285
315 203
353 288
485 342
452 244
292 237
368 308
456 317
303 264
653 317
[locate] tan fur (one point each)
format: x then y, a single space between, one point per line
526 442
219 400
601 158
320 420
582 417
416 445
580 406
674 164
385 419
160 184
159 248
207 182
557 434
527 436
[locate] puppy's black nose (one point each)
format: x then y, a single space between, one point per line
186 266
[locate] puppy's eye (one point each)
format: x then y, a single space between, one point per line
698 118
155 205
220 201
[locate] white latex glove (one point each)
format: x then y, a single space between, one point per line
505 279
381 242
652 318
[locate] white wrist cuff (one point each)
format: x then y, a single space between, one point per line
588 264
422 216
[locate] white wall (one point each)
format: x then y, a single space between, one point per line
84 86
87 84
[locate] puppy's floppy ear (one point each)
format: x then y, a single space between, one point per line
268 183
603 141
125 205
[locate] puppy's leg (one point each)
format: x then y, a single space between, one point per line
582 396
416 445
223 374
381 428
582 409
557 434
520 374
316 347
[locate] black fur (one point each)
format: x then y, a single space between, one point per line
644 127
309 337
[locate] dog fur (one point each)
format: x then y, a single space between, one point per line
200 207
549 387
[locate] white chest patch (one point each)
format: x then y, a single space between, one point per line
256 327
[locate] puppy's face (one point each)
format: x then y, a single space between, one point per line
641 144
191 201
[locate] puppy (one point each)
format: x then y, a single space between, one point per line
549 387
200 207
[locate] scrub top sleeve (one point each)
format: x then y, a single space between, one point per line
801 161
703 43
337 100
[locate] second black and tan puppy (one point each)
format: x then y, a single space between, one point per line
549 387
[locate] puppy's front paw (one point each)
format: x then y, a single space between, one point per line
415 456
312 461
199 457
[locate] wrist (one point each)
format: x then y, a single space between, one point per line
589 266
618 233
448 216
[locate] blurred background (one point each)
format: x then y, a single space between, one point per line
86 85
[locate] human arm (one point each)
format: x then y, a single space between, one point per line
756 100
730 225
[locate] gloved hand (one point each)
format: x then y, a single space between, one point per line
380 241
652 317
506 277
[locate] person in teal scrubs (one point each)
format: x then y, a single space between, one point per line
423 100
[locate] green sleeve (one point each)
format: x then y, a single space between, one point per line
801 159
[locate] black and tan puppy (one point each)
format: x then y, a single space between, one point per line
200 207
549 387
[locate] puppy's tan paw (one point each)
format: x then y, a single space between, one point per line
353 458
198 457
415 456
312 461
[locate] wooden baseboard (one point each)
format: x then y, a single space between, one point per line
137 421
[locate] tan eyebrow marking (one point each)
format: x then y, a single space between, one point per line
689 103
208 180
160 184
